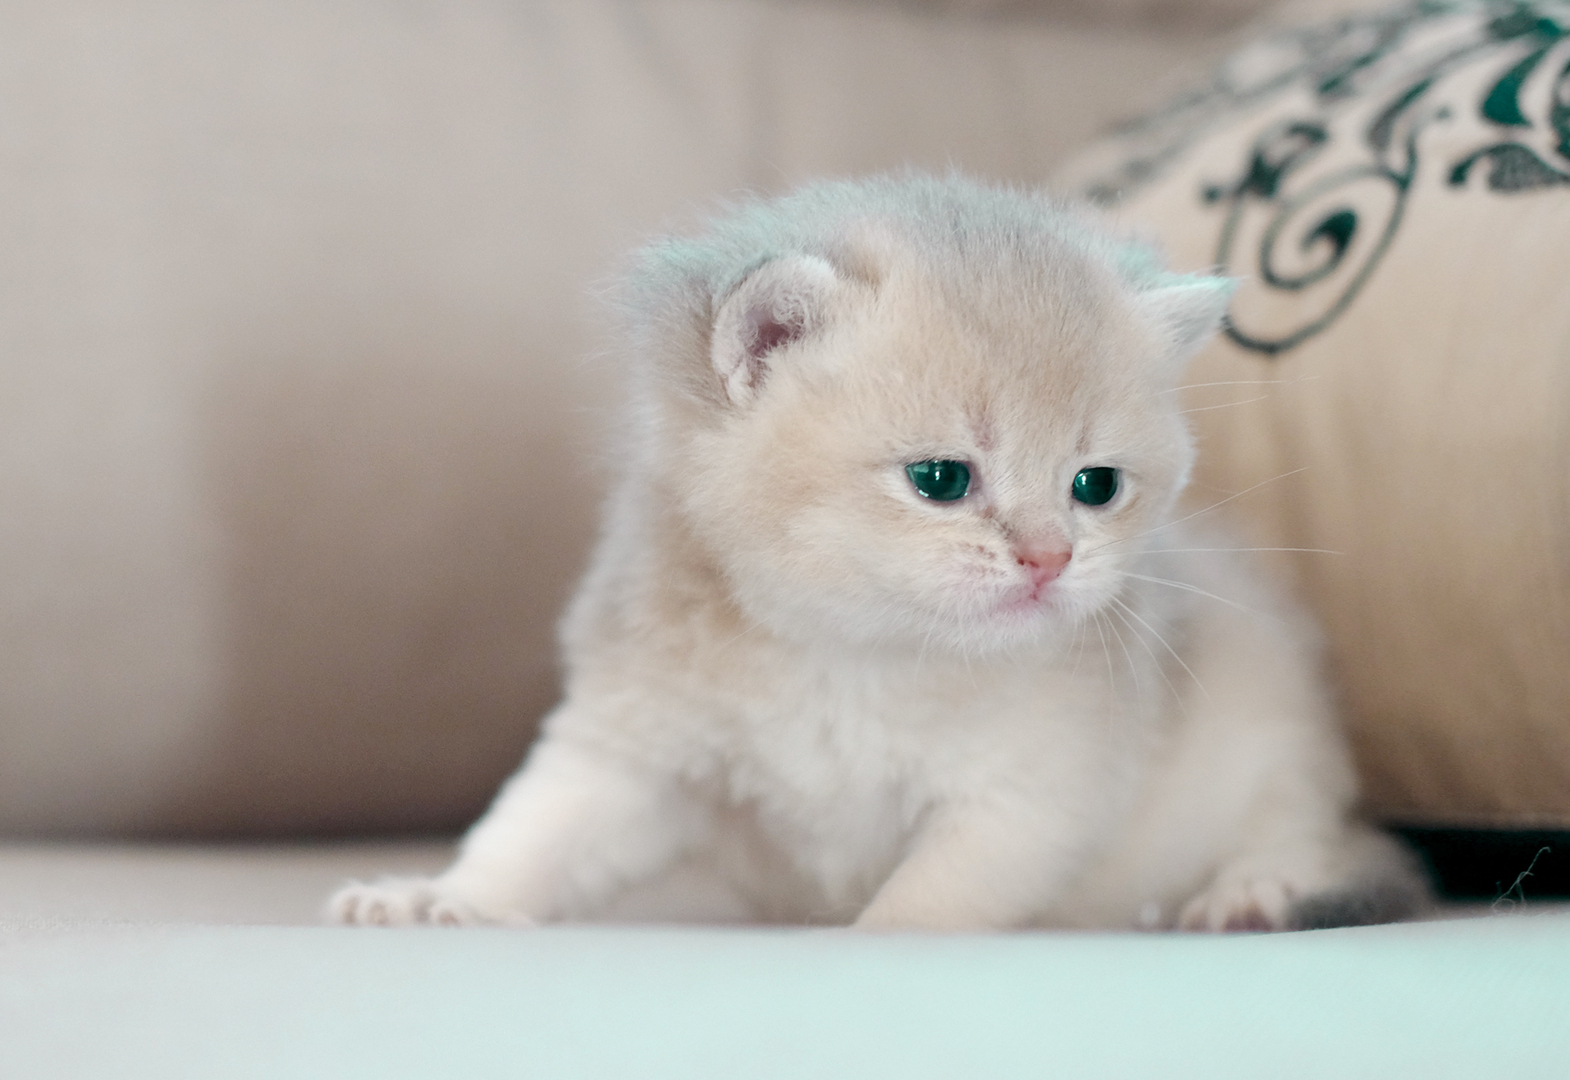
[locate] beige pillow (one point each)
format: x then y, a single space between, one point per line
1394 188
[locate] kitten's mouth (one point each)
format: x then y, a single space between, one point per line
1030 599
1040 589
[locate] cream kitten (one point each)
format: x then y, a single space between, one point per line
890 623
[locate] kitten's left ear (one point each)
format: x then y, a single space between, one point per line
1188 308
781 302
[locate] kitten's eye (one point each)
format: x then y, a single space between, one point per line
1095 486
944 481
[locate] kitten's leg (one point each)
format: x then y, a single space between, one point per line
1352 877
1260 786
565 835
979 868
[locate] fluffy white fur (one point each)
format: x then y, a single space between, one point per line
799 691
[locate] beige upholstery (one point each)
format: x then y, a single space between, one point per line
298 376
59 885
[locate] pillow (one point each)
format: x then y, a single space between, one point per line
1393 391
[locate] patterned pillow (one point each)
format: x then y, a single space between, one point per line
1393 390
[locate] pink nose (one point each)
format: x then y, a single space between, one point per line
1044 564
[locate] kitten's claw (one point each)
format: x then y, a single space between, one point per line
1240 904
399 902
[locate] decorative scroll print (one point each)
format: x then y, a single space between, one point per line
1323 189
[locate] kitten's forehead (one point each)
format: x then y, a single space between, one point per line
1005 335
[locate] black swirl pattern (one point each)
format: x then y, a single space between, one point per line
1321 195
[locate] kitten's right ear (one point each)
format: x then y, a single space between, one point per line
1188 308
779 303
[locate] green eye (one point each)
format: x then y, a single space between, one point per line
944 481
1095 486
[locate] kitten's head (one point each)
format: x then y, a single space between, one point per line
918 411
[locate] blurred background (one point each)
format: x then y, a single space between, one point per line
302 365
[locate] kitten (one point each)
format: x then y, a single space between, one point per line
890 622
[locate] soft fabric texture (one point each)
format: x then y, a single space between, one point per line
1394 392
299 411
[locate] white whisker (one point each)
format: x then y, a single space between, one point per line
1160 668
1133 672
1106 652
1167 646
1186 587
1223 405
960 639
1206 510
1241 382
1112 681
745 630
1182 551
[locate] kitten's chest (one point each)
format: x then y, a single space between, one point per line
833 776
838 767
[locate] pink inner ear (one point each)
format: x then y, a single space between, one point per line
769 332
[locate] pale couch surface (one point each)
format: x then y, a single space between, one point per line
1431 1000
153 884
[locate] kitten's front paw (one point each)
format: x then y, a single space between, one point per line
1254 903
400 902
